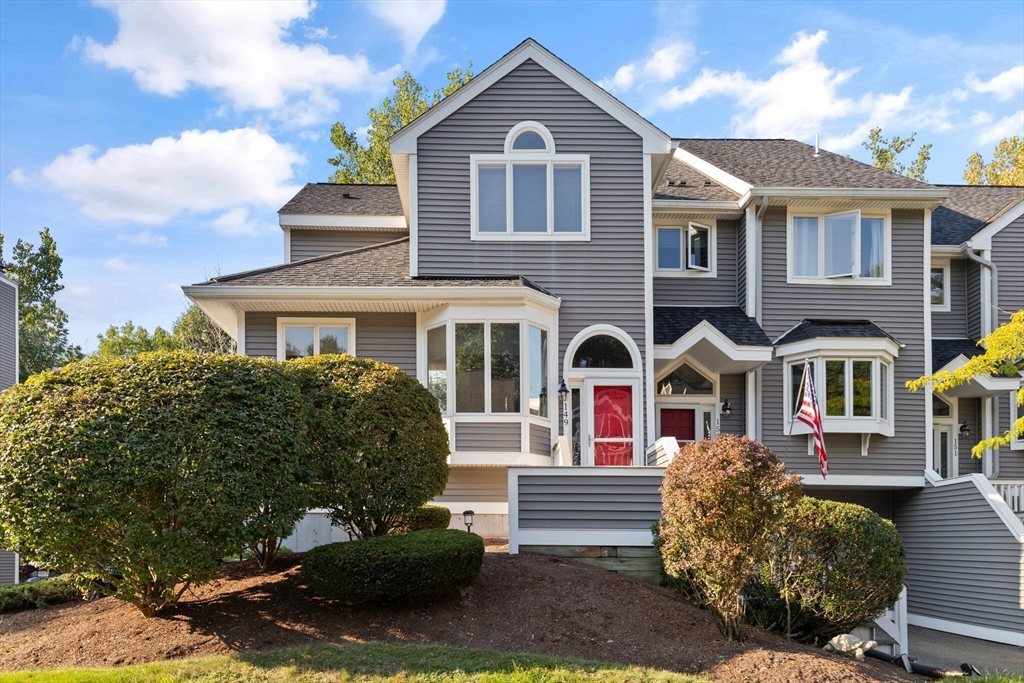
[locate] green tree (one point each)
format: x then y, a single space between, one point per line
128 340
1006 167
196 331
42 325
885 154
1004 355
371 163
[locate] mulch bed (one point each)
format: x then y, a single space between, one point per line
523 603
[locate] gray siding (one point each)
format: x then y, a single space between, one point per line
310 243
973 286
703 291
1008 255
734 388
964 564
540 440
488 437
899 310
475 485
8 336
953 325
387 337
969 411
1010 462
600 281
589 502
8 568
741 261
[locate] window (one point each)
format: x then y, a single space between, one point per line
538 371
602 351
530 191
685 381
469 368
854 393
437 365
686 250
1016 413
940 408
848 388
504 367
939 282
839 247
302 337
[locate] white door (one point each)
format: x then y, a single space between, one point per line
944 450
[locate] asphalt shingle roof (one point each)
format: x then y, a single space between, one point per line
945 350
814 329
672 322
381 265
968 209
789 163
683 182
333 199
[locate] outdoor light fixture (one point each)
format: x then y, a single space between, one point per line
965 431
467 518
563 395
726 408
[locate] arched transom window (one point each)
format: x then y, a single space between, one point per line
602 351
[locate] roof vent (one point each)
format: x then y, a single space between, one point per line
682 182
346 195
707 183
817 150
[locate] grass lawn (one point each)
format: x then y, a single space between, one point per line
364 662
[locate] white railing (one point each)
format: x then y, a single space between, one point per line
893 622
1012 492
561 454
662 452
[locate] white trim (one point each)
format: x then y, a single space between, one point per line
240 334
315 323
478 507
594 330
649 246
869 481
926 194
929 442
695 206
751 404
17 331
705 331
305 220
506 458
855 345
983 239
992 385
685 270
1014 525
287 245
654 140
855 279
533 127
1016 412
414 217
996 635
944 307
750 232
17 568
513 512
729 181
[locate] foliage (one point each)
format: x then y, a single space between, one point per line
196 331
42 325
128 340
371 163
1004 355
142 471
418 564
423 518
376 438
721 502
885 154
831 567
1006 167
24 596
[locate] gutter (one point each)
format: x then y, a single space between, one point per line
968 251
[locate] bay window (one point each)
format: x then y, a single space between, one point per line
686 250
847 246
302 337
854 391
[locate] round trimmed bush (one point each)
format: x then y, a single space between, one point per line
141 472
377 441
423 518
418 564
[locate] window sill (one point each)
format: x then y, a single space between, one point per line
529 237
940 309
839 282
847 426
685 273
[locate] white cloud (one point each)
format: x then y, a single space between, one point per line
143 239
994 131
119 264
624 78
236 223
18 177
797 100
238 50
662 65
200 171
321 33
1004 86
411 18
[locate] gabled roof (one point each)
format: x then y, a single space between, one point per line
945 350
333 199
683 182
672 322
968 209
816 329
792 164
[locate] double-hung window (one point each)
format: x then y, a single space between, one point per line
939 284
301 337
686 250
530 192
842 247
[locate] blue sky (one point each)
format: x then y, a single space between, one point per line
158 140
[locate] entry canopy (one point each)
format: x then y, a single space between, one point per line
720 338
950 354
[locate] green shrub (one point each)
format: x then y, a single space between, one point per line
25 596
421 563
423 518
832 566
376 439
142 471
721 502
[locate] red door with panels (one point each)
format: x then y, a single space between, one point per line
613 425
680 423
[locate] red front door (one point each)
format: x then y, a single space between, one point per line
680 423
613 425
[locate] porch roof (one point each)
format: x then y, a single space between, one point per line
945 350
721 338
672 322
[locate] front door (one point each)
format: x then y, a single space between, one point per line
943 451
680 423
611 439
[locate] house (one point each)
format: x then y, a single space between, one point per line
581 292
9 568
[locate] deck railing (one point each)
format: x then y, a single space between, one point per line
1012 492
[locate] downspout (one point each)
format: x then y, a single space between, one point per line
758 285
989 423
993 290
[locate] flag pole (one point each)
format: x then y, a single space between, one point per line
799 400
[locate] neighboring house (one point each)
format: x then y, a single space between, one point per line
581 292
9 570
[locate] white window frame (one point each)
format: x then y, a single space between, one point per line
1017 444
548 158
952 424
698 402
316 324
945 306
685 270
800 212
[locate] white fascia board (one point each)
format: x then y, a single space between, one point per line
591 471
12 283
288 220
694 205
990 383
728 180
706 331
655 141
947 250
839 344
928 194
863 481
995 635
983 239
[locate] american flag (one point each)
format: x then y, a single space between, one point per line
810 415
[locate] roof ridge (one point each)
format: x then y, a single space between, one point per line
356 184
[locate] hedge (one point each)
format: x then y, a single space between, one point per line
423 518
418 564
25 596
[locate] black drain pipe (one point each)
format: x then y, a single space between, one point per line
964 671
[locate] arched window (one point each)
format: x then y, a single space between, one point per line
602 351
529 141
685 380
529 137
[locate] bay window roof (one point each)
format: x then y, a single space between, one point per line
815 329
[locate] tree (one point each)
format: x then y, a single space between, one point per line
1006 167
1004 355
128 340
885 154
196 331
42 325
371 163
